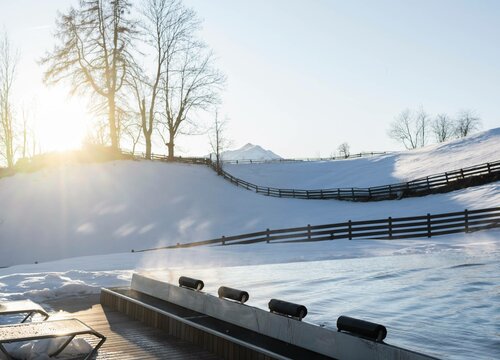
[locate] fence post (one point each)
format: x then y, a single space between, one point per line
369 193
279 192
307 194
268 191
428 184
466 218
308 231
352 192
462 173
321 193
389 219
390 191
489 168
350 230
223 240
267 235
257 188
338 194
446 175
429 225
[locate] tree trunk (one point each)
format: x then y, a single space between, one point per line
113 133
147 132
170 146
148 145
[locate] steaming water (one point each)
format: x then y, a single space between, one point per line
446 305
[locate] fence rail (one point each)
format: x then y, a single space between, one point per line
432 184
331 158
390 228
444 182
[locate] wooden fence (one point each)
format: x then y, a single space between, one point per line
444 182
382 229
331 158
432 184
207 160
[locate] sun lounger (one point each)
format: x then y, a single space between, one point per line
27 307
69 328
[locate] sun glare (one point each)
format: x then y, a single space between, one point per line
62 121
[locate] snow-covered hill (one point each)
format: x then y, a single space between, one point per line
90 217
373 171
114 207
250 152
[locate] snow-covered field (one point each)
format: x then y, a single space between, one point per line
115 207
373 171
80 223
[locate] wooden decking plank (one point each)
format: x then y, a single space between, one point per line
128 339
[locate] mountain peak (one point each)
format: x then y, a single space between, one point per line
250 151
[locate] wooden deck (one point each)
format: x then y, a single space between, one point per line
126 338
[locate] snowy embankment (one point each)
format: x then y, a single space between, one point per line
87 274
105 210
374 171
115 207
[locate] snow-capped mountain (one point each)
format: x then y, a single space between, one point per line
250 152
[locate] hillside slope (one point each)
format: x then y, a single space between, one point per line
378 170
114 207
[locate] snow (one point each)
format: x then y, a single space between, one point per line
250 152
79 223
115 207
374 171
46 281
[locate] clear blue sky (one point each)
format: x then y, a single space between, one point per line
305 76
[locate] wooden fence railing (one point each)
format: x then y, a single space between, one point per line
331 158
381 229
432 184
207 160
444 182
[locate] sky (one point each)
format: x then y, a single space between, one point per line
305 76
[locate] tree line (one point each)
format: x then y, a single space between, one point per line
149 75
16 134
146 67
415 129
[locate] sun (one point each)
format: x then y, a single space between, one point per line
61 121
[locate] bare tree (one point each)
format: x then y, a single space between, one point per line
404 130
410 129
442 128
165 24
422 122
218 140
467 121
189 80
344 150
8 64
93 53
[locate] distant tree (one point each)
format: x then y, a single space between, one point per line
189 79
442 128
218 140
422 124
344 150
8 64
93 53
27 133
405 130
467 121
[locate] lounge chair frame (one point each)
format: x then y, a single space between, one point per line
48 330
27 307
